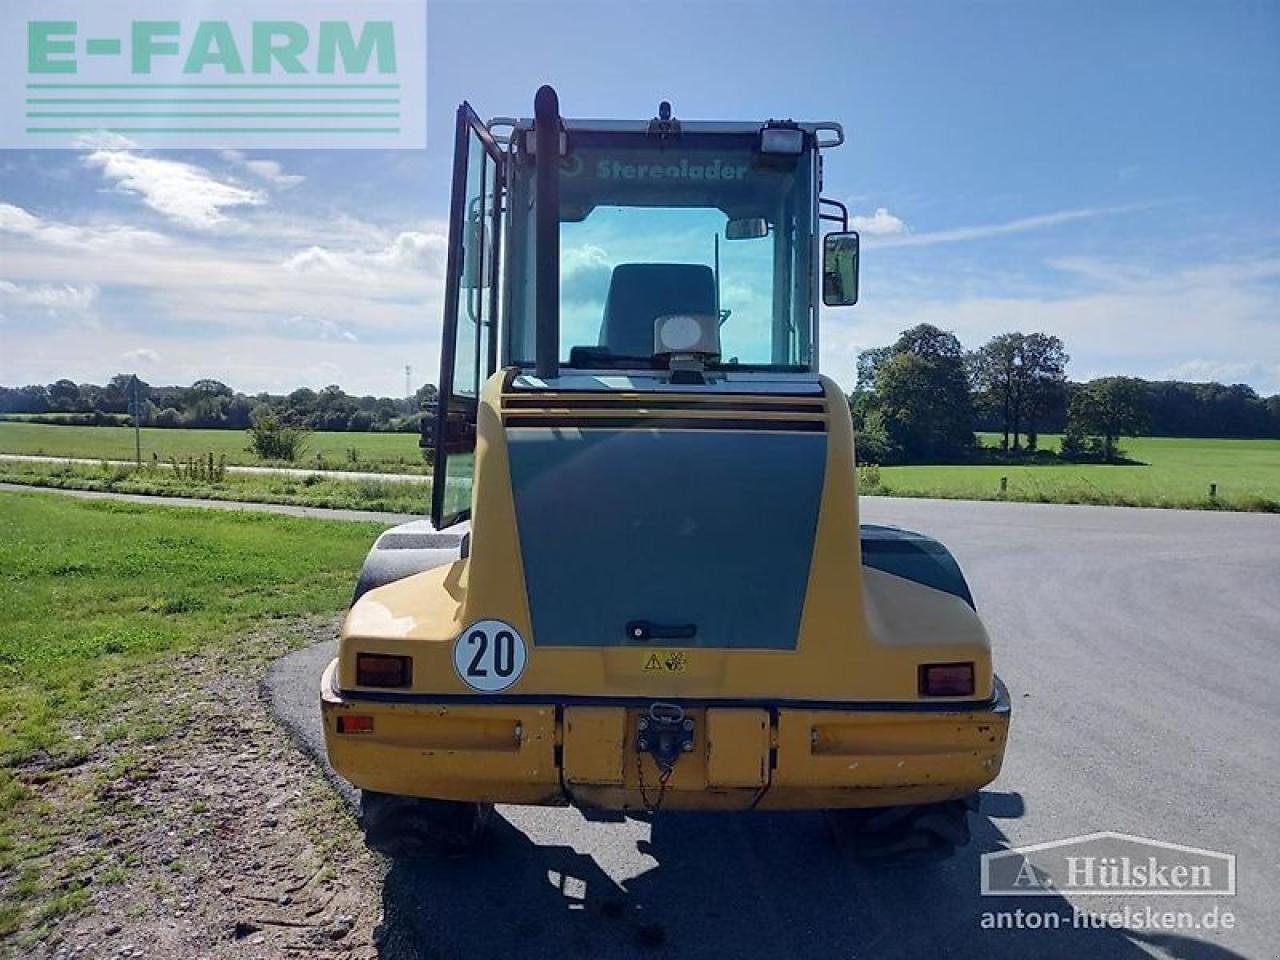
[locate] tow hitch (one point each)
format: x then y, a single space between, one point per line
665 734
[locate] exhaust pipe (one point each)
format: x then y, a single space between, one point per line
546 232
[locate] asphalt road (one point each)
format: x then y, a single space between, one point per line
1141 648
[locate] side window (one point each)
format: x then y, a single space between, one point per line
471 298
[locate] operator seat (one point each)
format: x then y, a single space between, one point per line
639 293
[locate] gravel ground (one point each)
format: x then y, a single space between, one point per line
220 839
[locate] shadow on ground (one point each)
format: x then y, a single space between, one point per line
726 885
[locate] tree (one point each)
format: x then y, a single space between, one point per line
29 399
300 405
117 395
1108 408
64 395
333 409
272 439
868 362
1044 377
993 369
916 405
873 443
168 417
925 402
212 387
926 340
238 413
1020 376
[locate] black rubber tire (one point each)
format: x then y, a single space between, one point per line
409 828
905 835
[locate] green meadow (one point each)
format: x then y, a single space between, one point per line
384 452
1163 472
102 601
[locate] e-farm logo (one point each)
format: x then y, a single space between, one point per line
273 74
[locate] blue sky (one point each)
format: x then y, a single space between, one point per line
1106 172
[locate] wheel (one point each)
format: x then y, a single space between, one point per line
906 835
412 827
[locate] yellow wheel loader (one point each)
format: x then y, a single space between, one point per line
645 585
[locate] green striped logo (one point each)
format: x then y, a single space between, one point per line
164 73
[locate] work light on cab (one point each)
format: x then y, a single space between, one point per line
785 138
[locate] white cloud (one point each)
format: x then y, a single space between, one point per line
273 173
880 223
983 231
143 355
249 360
268 170
1225 371
19 222
221 302
417 250
318 328
104 140
1116 318
320 260
185 193
64 296
410 250
584 276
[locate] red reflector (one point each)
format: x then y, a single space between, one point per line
381 670
946 679
350 724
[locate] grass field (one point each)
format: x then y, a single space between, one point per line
330 490
394 452
99 599
1171 472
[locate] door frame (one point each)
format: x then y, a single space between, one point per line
468 124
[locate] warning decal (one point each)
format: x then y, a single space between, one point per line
673 661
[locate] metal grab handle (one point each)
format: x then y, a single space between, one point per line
642 630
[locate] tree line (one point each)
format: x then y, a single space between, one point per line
920 399
923 398
212 404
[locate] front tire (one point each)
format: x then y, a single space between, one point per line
407 828
906 835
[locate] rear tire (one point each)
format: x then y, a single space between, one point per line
906 835
407 828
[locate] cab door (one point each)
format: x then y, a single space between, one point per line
468 350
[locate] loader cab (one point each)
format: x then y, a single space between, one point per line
695 223
645 254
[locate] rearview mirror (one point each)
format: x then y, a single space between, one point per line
748 228
840 269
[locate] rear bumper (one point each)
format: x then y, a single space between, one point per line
770 756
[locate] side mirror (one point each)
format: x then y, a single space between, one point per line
748 228
840 269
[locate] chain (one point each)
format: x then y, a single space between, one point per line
664 774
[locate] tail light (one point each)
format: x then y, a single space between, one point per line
354 724
946 680
383 670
